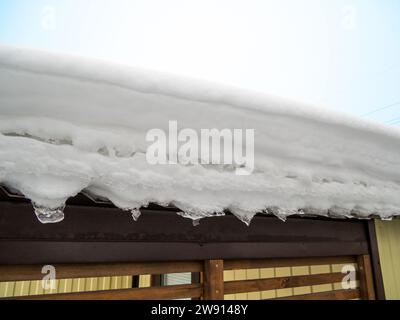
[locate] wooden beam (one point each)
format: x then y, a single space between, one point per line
331 295
233 287
214 280
66 252
105 235
71 271
366 278
286 262
159 293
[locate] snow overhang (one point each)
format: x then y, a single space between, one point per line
70 125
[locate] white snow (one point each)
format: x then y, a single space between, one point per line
71 124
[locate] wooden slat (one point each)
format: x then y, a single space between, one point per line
330 295
233 287
159 293
286 262
214 280
30 273
366 277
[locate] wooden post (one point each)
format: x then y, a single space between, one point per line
156 280
213 280
366 277
375 261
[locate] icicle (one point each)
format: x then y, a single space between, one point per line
245 216
192 216
48 215
281 214
246 219
281 217
136 214
196 223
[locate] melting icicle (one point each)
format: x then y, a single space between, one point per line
245 216
136 214
279 213
284 214
47 215
246 219
192 216
281 217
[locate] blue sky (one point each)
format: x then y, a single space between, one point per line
333 53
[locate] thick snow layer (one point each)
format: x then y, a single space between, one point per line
70 124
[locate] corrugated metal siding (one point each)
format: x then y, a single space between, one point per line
145 281
174 279
31 288
388 235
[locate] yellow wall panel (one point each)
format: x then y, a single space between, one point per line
22 288
7 289
78 285
91 284
104 283
267 273
36 288
64 286
33 288
388 235
144 281
116 283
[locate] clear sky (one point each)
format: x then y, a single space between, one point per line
334 53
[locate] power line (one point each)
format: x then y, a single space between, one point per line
393 120
380 109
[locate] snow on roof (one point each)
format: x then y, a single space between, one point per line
71 124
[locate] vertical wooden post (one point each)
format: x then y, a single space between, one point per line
366 277
375 261
156 280
213 280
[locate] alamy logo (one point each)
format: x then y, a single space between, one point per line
49 14
49 280
349 19
211 147
350 278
